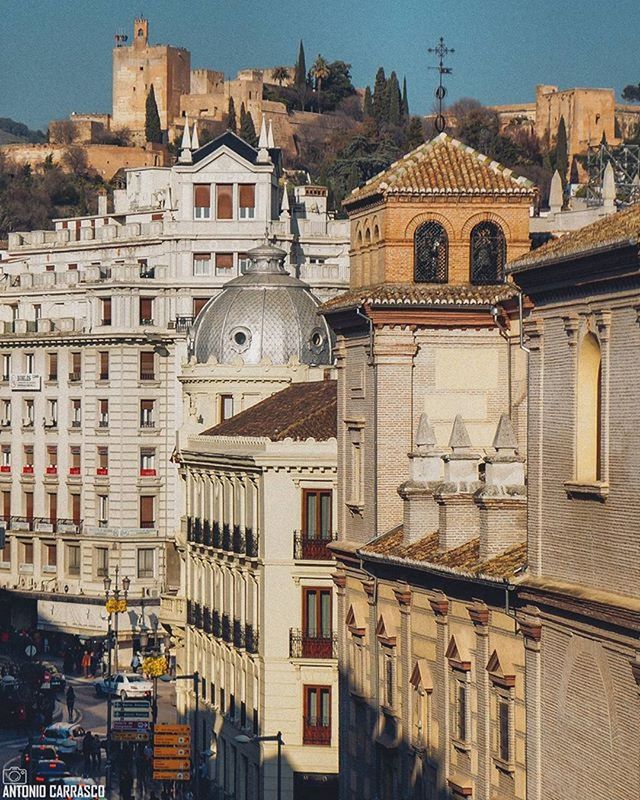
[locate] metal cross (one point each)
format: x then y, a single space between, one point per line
442 51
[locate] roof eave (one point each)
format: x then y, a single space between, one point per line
554 260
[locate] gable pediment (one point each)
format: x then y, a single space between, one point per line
497 672
385 631
355 621
421 676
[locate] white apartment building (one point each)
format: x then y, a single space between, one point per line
95 321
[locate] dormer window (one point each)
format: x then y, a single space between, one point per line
431 253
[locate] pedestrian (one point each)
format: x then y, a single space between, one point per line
95 752
126 785
71 701
86 663
87 750
135 662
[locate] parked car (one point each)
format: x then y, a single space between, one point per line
31 755
53 677
66 737
124 685
50 771
16 708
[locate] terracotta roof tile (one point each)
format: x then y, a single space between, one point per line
443 166
616 229
301 411
463 559
414 294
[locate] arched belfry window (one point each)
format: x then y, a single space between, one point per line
589 410
431 253
488 253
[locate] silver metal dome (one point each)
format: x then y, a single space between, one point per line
264 314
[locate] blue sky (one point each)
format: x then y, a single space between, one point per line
56 54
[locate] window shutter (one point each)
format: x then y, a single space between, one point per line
224 194
146 511
198 304
224 260
202 195
247 195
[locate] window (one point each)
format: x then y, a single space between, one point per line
27 553
504 730
589 411
28 505
51 420
224 201
28 458
52 366
317 715
73 558
147 516
50 555
27 420
388 676
52 505
316 623
247 200
460 709
76 413
147 461
198 304
202 263
50 268
37 311
6 457
421 686
488 253
147 365
103 461
102 562
243 262
430 253
75 374
103 413
226 406
52 458
317 513
201 201
356 485
145 270
145 562
146 413
76 509
72 267
6 367
74 468
146 310
103 510
5 552
29 363
6 413
103 365
106 310
224 264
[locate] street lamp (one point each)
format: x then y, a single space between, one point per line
244 739
195 677
126 583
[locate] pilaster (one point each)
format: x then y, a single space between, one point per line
530 626
480 616
440 607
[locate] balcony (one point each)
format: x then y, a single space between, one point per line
147 472
316 732
250 639
51 470
74 470
76 423
21 523
226 538
102 471
304 645
182 324
69 526
103 423
146 321
206 533
226 628
173 609
217 536
27 470
238 633
75 377
147 423
251 548
207 621
239 543
147 376
44 524
311 548
6 468
217 624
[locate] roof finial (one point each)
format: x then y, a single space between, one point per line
425 437
185 144
609 186
284 205
505 438
459 439
263 140
195 143
270 142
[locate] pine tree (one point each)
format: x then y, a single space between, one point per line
380 106
152 129
415 133
247 128
562 158
368 103
405 100
232 123
394 99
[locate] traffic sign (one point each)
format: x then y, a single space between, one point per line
172 738
130 725
171 752
130 736
30 651
166 775
162 727
174 764
135 710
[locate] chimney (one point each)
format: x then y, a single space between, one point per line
502 502
458 514
609 188
425 474
102 203
556 194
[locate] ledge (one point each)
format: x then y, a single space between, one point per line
598 490
507 767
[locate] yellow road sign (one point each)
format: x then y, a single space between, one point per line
167 775
174 764
171 752
180 729
172 739
130 736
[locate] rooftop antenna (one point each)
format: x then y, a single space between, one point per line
442 51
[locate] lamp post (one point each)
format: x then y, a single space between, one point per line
244 739
155 651
110 644
195 677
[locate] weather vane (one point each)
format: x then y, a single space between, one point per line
442 51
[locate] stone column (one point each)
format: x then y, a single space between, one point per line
440 606
403 596
531 628
479 615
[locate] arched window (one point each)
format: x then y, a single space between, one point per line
589 410
488 253
430 253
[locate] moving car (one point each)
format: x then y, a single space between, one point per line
50 771
66 737
124 685
53 676
37 752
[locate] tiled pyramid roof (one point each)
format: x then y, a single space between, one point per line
444 166
616 229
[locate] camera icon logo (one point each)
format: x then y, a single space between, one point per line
14 776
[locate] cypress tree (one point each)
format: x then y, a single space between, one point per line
368 103
152 129
380 105
405 100
247 128
300 78
415 133
232 123
394 100
562 158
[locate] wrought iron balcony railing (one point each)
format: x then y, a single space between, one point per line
226 538
226 628
251 546
312 548
217 624
206 533
316 732
238 633
217 535
251 639
305 645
